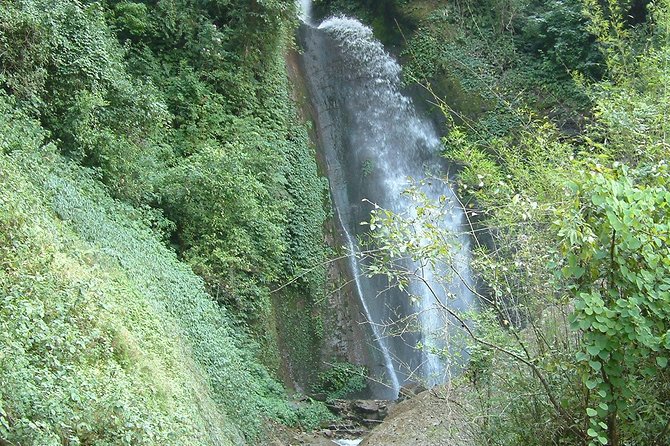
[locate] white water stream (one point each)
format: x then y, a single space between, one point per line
305 11
374 140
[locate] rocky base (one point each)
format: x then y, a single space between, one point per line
441 416
358 416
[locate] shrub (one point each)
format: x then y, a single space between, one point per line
341 379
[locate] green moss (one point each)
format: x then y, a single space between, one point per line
341 380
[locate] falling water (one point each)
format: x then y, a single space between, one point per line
305 11
373 141
389 369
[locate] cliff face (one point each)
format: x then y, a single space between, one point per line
332 330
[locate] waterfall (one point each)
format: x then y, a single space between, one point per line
389 369
305 10
373 141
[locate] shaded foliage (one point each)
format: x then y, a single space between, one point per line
182 106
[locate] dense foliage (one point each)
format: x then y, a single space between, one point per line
130 130
143 142
184 107
557 116
341 380
107 337
617 258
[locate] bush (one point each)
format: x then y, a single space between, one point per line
341 380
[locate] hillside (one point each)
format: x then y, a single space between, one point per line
142 144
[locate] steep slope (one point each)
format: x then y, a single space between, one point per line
140 143
106 337
184 107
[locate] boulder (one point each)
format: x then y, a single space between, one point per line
410 390
365 413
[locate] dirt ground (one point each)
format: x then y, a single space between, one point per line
433 418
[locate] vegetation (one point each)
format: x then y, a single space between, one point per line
156 184
174 112
556 115
128 131
342 379
106 337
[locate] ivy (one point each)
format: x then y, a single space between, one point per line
180 110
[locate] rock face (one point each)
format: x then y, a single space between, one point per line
346 335
410 391
438 417
360 415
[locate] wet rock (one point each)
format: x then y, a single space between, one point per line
410 390
366 413
368 406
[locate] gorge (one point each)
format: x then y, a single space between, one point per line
234 222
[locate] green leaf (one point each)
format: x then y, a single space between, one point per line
591 412
602 341
662 361
595 365
597 199
593 350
